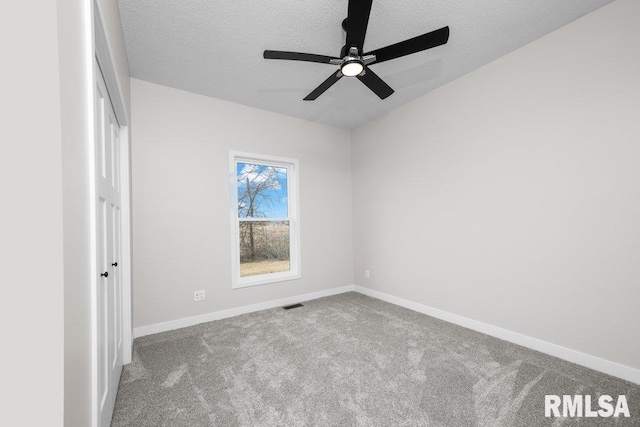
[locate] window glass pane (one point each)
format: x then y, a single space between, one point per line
264 247
262 191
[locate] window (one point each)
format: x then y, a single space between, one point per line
264 215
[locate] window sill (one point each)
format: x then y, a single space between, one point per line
264 279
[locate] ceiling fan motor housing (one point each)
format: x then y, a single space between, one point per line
353 64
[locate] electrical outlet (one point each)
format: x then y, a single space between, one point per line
198 295
367 275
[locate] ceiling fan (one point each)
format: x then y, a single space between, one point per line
354 62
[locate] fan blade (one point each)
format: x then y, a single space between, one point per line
333 78
297 56
376 84
416 44
357 21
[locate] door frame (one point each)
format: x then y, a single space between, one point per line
102 62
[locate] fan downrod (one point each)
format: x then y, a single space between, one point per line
345 50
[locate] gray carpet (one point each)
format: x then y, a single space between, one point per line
348 360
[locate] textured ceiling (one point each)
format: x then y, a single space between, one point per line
214 47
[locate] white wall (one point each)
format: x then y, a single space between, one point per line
74 18
181 218
31 227
512 195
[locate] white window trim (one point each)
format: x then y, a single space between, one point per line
293 200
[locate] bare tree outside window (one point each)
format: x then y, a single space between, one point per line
264 244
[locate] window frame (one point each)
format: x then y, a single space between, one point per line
293 204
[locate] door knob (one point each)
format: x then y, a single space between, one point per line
115 264
105 274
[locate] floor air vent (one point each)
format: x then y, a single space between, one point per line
289 307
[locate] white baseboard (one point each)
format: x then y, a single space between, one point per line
223 314
583 359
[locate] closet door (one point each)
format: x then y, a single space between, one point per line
108 240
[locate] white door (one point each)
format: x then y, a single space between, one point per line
109 234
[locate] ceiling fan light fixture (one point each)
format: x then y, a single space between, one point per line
352 68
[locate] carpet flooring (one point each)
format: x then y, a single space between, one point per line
348 360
